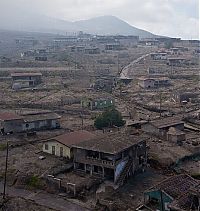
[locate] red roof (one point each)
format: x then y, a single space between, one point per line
9 116
71 138
25 74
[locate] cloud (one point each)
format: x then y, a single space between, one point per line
177 18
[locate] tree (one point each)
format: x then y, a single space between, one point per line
109 118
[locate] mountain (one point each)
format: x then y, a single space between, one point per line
104 25
110 25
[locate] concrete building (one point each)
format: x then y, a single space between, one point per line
159 56
40 121
112 47
178 62
10 123
114 156
160 127
153 82
25 80
62 145
98 103
184 95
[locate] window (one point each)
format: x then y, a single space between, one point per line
46 147
53 150
61 151
27 125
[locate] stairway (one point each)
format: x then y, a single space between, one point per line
124 173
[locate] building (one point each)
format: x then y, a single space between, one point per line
40 121
146 82
184 95
176 136
159 56
153 82
25 80
62 145
112 47
98 103
178 62
113 157
165 195
10 123
160 127
41 58
92 50
157 71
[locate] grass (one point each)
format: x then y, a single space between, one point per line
34 182
3 147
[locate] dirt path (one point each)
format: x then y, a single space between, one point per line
44 199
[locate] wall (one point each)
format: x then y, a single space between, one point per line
14 126
66 150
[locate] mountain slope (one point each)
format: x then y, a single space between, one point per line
104 25
110 25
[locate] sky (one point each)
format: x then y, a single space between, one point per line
176 18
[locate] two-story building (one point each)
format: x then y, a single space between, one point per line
113 157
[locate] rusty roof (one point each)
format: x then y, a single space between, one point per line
175 186
71 138
6 116
111 143
25 74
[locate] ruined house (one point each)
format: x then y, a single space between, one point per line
97 103
25 80
176 136
159 56
168 194
13 123
153 82
114 156
178 62
10 123
160 127
184 95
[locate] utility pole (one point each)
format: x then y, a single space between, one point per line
160 104
5 176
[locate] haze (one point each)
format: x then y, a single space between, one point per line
176 18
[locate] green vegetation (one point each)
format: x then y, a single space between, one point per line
34 182
3 147
109 118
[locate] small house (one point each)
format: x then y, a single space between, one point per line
184 95
98 103
25 80
40 121
146 82
62 146
10 123
112 47
179 62
159 56
160 127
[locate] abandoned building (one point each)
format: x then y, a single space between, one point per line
184 95
169 194
62 145
98 103
10 123
153 82
40 121
159 56
13 123
112 47
156 71
25 80
92 50
114 156
179 62
160 127
41 58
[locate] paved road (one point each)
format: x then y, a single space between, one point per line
44 199
125 70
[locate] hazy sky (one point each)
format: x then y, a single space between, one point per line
179 18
